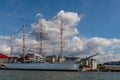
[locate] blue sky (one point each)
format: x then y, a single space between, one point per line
99 27
101 18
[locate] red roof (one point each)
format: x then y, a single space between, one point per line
3 56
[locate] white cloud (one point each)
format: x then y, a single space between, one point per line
5 49
74 45
69 18
4 37
109 49
51 29
39 14
106 48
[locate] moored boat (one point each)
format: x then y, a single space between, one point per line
60 65
64 66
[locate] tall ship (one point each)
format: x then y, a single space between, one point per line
23 64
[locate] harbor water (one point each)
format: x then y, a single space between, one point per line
56 75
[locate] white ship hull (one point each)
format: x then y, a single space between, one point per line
65 66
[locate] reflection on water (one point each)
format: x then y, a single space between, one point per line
54 75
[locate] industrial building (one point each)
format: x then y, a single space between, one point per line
88 63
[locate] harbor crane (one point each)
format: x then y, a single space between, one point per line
91 56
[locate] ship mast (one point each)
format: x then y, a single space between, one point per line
23 39
41 44
61 37
41 37
40 31
61 29
11 44
23 43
